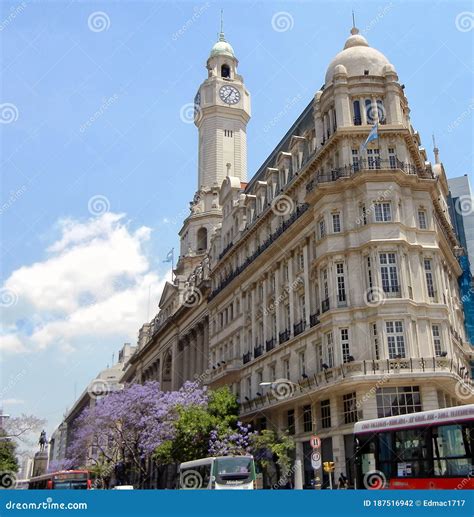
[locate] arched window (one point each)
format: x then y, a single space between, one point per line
202 239
225 71
369 110
167 365
357 117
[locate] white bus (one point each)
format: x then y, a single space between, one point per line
221 472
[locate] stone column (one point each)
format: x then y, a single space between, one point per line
307 298
253 316
265 310
291 292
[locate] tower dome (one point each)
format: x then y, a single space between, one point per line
357 58
222 48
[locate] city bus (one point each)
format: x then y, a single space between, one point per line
427 450
221 472
67 479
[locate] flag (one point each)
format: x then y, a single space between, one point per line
170 256
373 135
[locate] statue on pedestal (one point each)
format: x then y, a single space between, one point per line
43 442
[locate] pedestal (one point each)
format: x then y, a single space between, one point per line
40 463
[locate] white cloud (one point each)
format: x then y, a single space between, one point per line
93 284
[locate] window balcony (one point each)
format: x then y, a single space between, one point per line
299 327
270 344
284 336
246 358
258 351
314 319
325 305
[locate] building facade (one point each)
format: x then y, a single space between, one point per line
325 289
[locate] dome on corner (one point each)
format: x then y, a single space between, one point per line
358 58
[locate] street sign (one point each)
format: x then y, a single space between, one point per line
316 460
329 466
315 442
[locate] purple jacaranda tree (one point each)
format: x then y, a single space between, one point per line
231 441
126 426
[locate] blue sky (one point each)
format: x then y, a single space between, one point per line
96 112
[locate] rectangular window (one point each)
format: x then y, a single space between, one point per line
301 359
290 421
399 400
330 350
319 357
249 387
322 229
373 158
341 285
395 339
355 160
437 341
286 369
300 261
392 158
363 214
345 347
422 219
389 274
381 111
383 212
349 403
375 340
307 419
272 373
336 223
302 308
325 414
429 278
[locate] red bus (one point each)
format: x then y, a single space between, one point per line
66 479
429 449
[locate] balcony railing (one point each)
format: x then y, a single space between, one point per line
284 336
325 305
364 370
348 171
246 358
225 250
270 344
314 319
300 210
299 327
258 351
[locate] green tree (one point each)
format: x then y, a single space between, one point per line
194 425
268 444
8 459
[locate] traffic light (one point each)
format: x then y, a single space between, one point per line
329 466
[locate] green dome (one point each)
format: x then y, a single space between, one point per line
222 48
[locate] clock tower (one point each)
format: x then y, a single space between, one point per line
222 111
221 115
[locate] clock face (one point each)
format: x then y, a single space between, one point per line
229 94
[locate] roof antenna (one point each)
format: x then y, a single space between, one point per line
435 150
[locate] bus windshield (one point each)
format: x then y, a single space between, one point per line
233 469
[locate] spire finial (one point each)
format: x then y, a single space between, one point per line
221 34
354 29
435 150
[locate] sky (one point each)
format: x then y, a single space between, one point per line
99 156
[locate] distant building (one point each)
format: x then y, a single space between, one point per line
107 381
462 215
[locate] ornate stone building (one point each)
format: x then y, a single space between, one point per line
324 290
